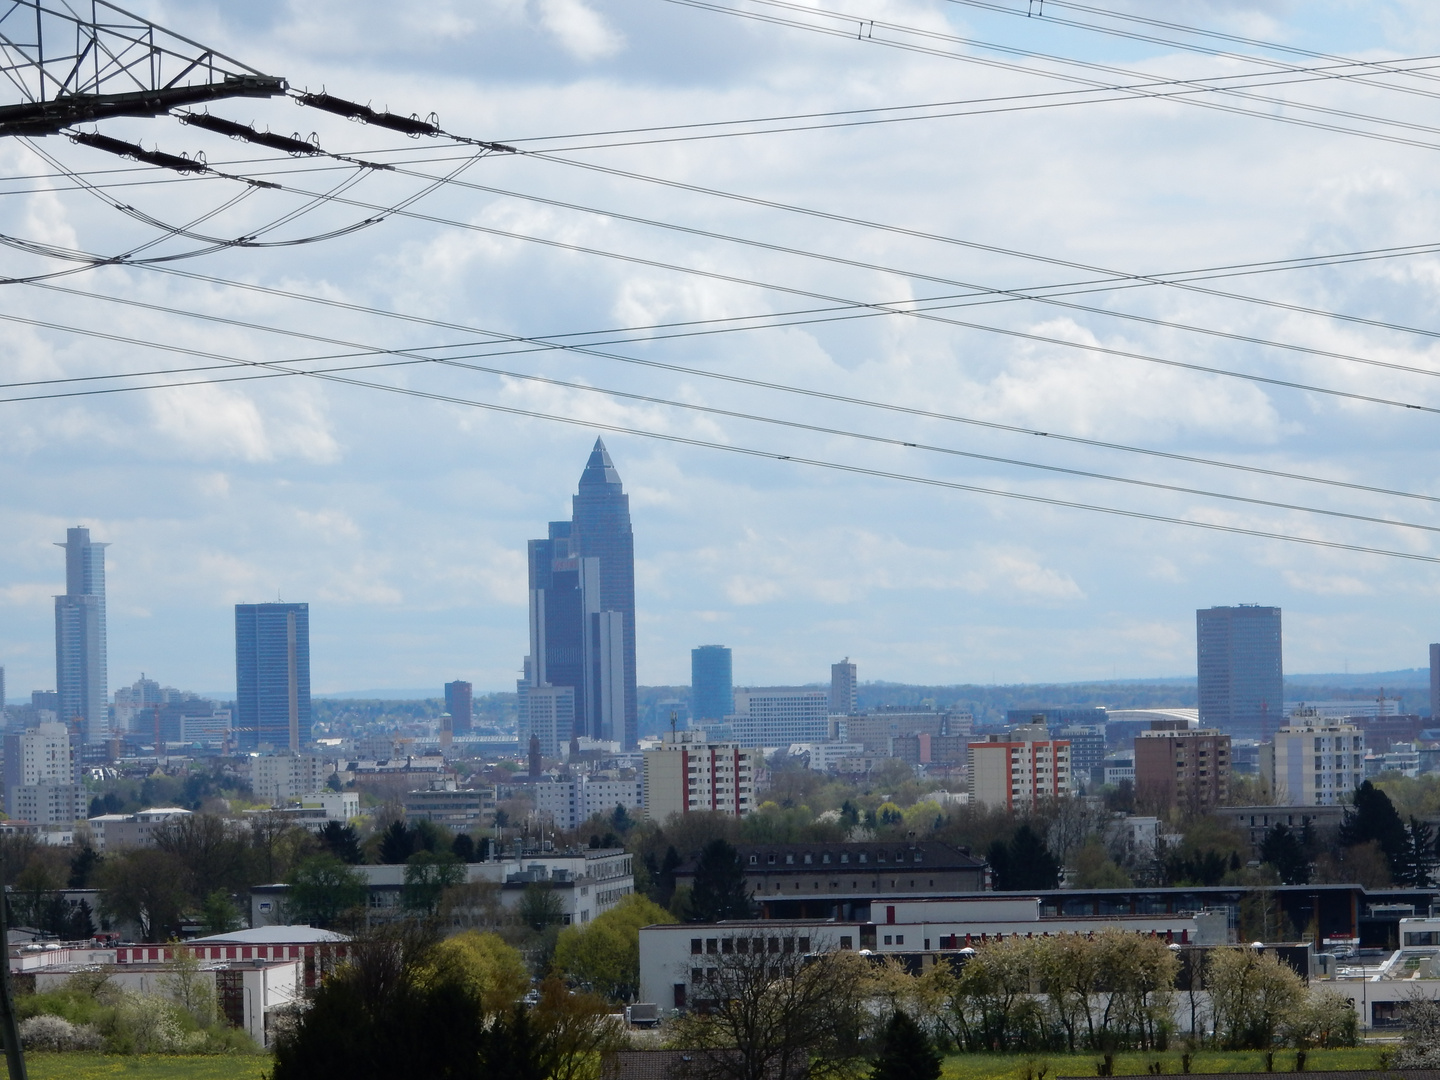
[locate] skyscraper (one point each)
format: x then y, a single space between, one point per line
272 676
842 688
712 686
80 674
1434 682
1240 674
582 609
458 703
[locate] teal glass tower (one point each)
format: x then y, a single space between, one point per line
272 676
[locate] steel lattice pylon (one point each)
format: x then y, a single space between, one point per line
77 60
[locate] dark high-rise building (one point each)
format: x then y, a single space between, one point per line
712 686
272 676
80 670
1435 683
842 688
1240 674
458 703
582 608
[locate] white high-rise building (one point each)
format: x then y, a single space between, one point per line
80 666
42 776
780 715
687 773
1313 761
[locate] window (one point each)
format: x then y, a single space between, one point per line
825 857
742 945
846 941
770 858
889 940
879 856
805 944
899 856
697 975
862 856
844 856
809 858
727 945
899 939
789 860
711 946
754 859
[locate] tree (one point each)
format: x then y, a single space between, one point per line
83 867
539 906
604 957
1421 1048
719 889
573 1032
219 914
905 1052
1372 816
1025 863
464 848
1418 862
1252 994
1094 869
144 886
390 1012
212 853
342 841
427 875
397 843
769 1009
492 969
323 889
1283 850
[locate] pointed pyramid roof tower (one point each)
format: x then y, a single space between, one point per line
599 470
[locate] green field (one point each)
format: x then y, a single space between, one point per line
147 1067
1021 1066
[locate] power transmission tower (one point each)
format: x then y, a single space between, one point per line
87 60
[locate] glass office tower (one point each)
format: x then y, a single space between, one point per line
81 679
712 686
272 676
1240 673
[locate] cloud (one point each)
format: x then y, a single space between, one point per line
579 29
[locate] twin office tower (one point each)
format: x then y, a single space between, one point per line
580 675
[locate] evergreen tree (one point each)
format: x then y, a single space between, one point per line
83 866
342 841
719 891
1419 860
664 878
1373 817
906 1053
1030 864
998 856
397 843
1283 850
464 848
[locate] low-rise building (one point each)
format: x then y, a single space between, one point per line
1255 822
834 881
585 884
115 832
678 960
444 802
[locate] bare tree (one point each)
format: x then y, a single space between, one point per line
776 1006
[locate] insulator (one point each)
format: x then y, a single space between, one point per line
139 153
408 125
336 105
217 124
289 145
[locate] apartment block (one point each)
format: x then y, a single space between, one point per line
1313 761
1021 768
1189 769
688 773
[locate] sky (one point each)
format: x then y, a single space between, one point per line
791 334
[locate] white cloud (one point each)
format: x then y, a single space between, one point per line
582 31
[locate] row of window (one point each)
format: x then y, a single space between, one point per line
743 945
861 857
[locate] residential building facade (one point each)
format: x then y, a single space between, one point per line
687 773
1313 761
1188 769
1019 769
280 778
42 775
844 698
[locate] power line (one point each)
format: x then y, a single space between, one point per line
851 469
